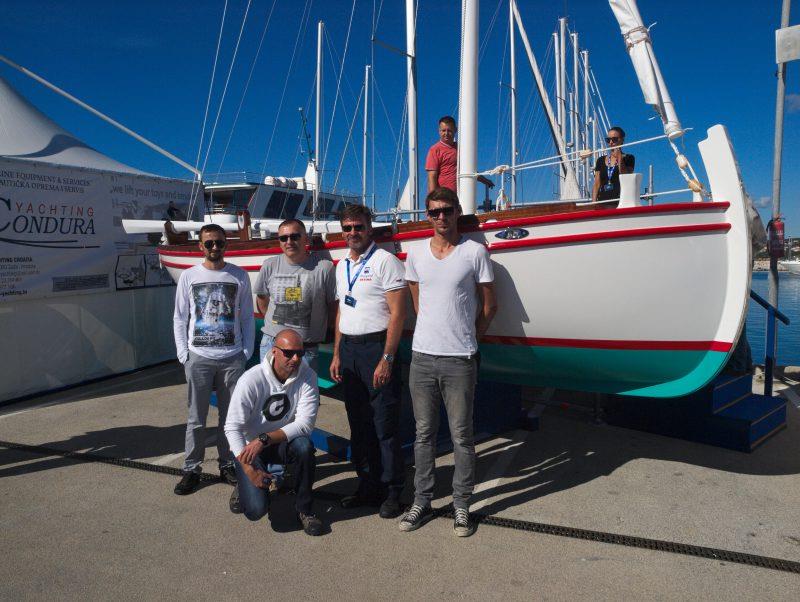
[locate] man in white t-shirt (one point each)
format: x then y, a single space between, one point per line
214 333
371 287
452 286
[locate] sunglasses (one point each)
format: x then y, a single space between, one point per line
445 211
294 236
613 139
290 353
356 227
217 242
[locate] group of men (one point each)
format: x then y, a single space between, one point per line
268 412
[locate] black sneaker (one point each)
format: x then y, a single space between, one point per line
360 499
233 503
187 484
390 508
311 524
463 525
227 474
415 517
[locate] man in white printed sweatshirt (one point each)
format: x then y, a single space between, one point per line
270 419
214 332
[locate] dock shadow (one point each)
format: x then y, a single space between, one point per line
568 452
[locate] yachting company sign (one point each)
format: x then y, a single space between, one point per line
61 229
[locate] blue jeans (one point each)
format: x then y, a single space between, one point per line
300 451
268 341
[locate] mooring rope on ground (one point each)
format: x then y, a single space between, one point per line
644 543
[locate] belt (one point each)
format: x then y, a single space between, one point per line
370 337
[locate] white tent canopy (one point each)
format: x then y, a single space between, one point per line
28 134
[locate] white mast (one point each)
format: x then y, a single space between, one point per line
562 74
468 111
557 65
366 137
411 62
570 189
318 119
576 110
513 102
586 165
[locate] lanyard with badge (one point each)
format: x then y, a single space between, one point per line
348 298
609 172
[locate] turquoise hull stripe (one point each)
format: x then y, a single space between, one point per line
657 373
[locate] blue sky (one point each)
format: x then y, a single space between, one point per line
148 64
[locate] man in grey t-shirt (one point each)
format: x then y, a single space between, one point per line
296 290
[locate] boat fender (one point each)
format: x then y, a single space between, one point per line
695 185
682 161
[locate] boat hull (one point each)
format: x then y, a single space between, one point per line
645 301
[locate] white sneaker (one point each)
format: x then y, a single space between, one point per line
463 525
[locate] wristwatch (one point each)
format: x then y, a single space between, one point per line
264 438
389 357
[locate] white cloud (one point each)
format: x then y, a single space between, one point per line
793 103
763 201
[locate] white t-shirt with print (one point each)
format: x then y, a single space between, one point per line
448 297
382 273
213 313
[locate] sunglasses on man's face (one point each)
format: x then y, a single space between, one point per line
290 353
441 211
216 242
613 139
294 236
356 227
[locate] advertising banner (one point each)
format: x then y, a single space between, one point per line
61 229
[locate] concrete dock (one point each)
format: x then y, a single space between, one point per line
77 528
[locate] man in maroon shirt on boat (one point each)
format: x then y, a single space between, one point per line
442 160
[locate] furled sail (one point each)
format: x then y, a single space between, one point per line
640 49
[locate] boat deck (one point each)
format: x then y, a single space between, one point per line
77 527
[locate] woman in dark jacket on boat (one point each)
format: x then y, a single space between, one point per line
608 168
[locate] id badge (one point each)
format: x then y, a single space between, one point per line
608 187
293 293
350 300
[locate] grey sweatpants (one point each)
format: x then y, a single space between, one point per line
433 379
203 375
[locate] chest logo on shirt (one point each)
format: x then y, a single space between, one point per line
214 314
276 407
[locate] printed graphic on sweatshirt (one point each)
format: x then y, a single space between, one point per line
276 407
215 314
292 306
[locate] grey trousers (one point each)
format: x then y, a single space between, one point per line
203 375
434 379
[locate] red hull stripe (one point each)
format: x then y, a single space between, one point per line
509 244
589 214
617 234
499 225
611 344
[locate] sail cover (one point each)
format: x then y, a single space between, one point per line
640 49
27 133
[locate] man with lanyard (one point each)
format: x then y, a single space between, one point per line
441 163
297 290
371 287
214 331
452 287
270 420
